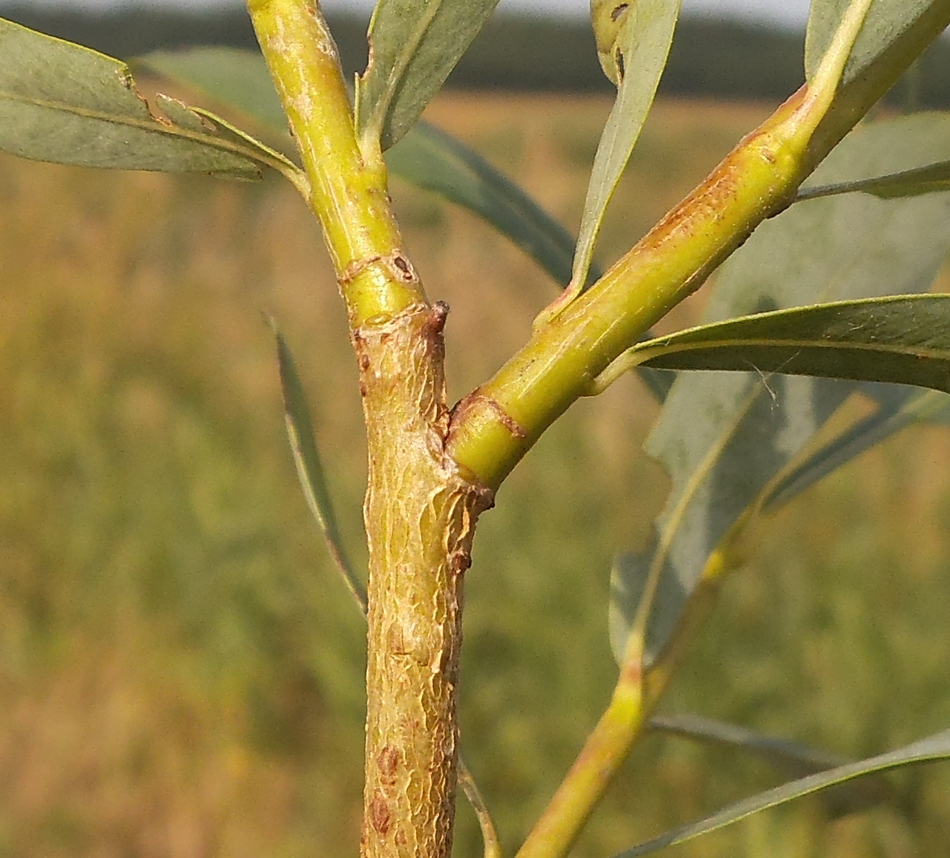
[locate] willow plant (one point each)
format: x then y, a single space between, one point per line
737 444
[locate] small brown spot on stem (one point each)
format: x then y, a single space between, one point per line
632 673
403 265
395 264
379 814
388 763
461 562
618 10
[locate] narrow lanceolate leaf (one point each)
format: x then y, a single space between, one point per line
234 77
910 183
643 32
903 339
914 162
414 44
312 481
425 157
309 468
893 36
792 759
927 750
897 409
725 438
67 104
434 161
886 24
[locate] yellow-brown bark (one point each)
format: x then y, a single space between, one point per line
420 515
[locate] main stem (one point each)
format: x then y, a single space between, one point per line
419 520
420 511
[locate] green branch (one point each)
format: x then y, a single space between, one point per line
347 195
498 423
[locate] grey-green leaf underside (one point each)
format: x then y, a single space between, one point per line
414 45
67 104
643 44
887 22
909 183
726 438
914 160
425 157
927 750
897 409
894 36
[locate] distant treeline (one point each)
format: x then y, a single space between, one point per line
709 58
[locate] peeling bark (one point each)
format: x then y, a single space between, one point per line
420 515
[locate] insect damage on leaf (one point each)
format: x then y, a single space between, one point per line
607 19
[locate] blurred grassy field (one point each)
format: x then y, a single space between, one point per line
180 671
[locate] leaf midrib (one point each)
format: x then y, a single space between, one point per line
660 351
152 125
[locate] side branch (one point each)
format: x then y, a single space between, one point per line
755 181
561 360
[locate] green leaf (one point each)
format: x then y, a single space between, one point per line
927 750
893 37
235 77
425 157
67 104
913 162
309 468
414 44
903 339
789 758
886 24
432 160
909 183
310 473
639 55
900 408
725 438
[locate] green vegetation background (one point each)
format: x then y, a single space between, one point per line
180 669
